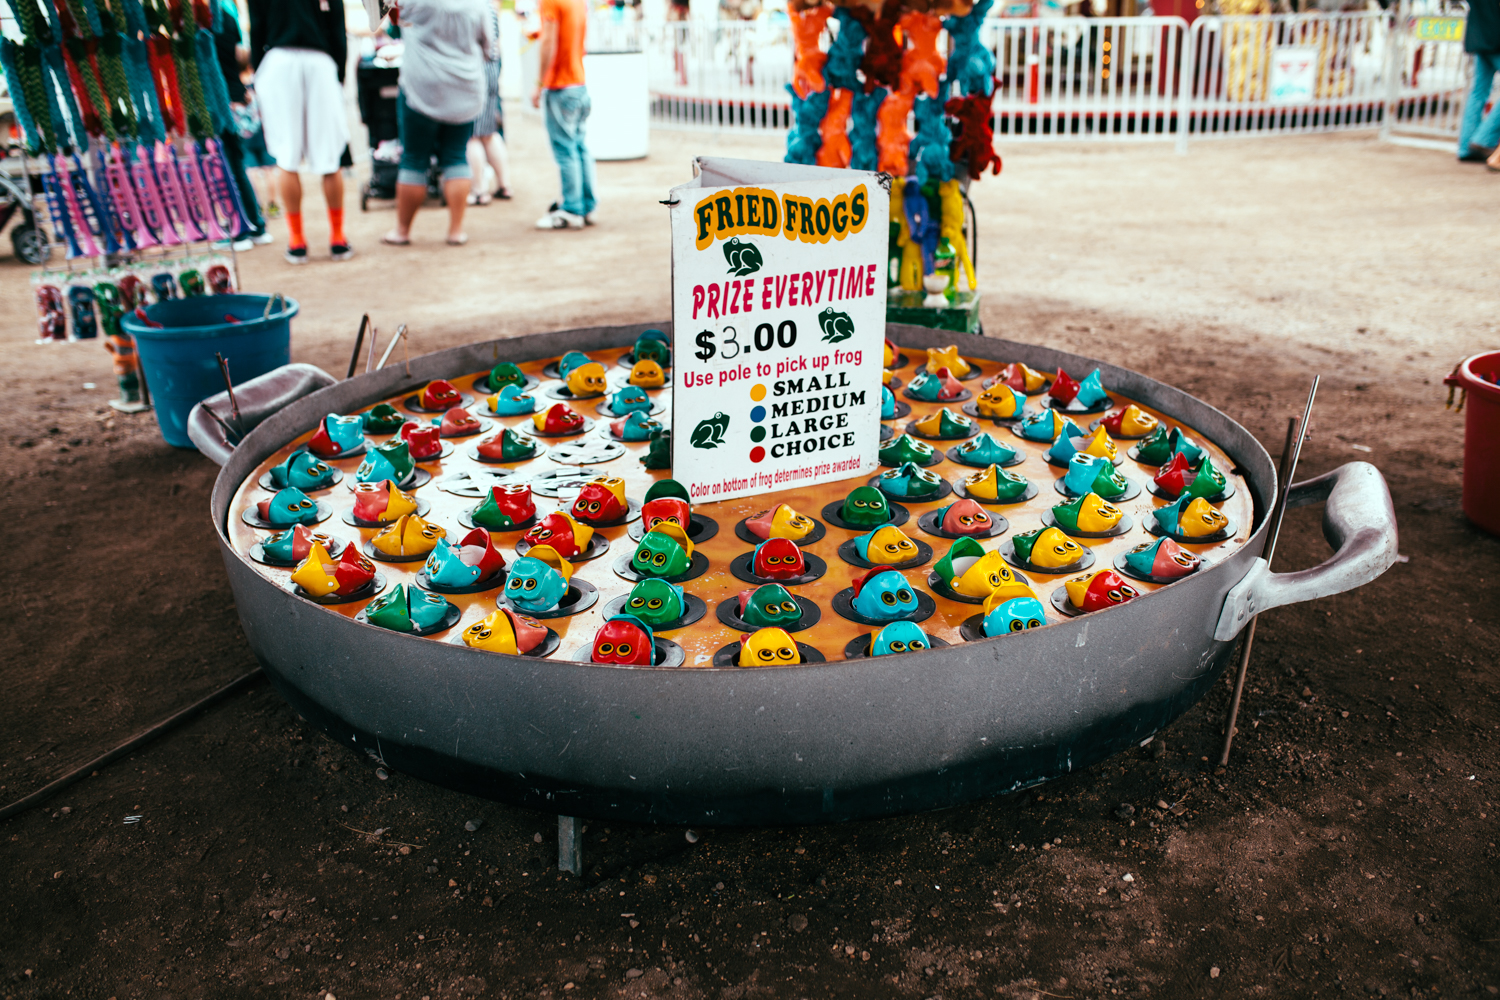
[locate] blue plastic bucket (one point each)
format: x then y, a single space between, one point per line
178 357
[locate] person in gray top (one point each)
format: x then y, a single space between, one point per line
447 43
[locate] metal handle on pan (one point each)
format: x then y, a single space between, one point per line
1358 521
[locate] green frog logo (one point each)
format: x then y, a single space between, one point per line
710 433
744 258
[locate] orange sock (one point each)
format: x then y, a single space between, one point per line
294 223
336 227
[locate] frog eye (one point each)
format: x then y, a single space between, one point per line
605 648
1130 591
889 598
771 609
1016 625
787 653
1033 623
1115 595
623 649
789 606
541 533
765 654
903 595
531 584
917 644
654 604
898 646
1060 549
1182 558
637 602
859 503
966 520
893 547
994 579
660 558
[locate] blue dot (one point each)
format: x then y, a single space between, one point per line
758 414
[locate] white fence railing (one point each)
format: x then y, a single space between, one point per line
1117 78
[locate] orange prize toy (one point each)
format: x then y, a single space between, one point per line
807 28
836 150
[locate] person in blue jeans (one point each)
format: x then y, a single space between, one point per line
441 93
567 110
1479 134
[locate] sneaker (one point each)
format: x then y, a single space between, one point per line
262 238
296 255
240 246
558 219
592 219
1476 153
341 251
273 211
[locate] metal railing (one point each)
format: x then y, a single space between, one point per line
1096 77
1118 78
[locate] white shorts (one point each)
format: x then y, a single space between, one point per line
302 109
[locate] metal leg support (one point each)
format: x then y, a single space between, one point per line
569 845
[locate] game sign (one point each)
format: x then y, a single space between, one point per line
778 320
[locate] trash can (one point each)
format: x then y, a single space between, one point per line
619 126
253 332
1477 376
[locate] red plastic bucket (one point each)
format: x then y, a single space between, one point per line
1476 376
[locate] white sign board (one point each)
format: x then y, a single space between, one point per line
778 325
1294 74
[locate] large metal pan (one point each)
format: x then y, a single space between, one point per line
817 743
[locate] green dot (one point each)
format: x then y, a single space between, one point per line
757 434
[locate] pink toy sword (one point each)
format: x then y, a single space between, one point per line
154 211
122 193
75 211
170 184
195 192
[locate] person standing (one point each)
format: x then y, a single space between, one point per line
1479 134
560 80
227 48
298 49
488 141
442 92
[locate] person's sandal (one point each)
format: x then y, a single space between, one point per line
503 193
479 199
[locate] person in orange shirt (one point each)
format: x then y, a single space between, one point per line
567 110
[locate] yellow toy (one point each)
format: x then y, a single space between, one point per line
782 522
1132 422
1101 446
647 374
999 401
588 380
1098 515
316 574
984 576
409 536
887 546
947 357
768 647
1054 549
951 226
909 275
1199 518
1007 592
505 631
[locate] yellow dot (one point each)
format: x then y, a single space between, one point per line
758 392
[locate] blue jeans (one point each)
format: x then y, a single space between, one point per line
1473 131
567 109
422 138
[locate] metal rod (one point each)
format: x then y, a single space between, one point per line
400 335
234 404
370 358
569 845
1290 453
359 341
231 436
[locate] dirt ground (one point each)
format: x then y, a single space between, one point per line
1349 848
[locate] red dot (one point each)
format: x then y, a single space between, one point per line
757 453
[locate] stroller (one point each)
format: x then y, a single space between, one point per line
30 240
377 88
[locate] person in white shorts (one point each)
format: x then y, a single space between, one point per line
298 49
